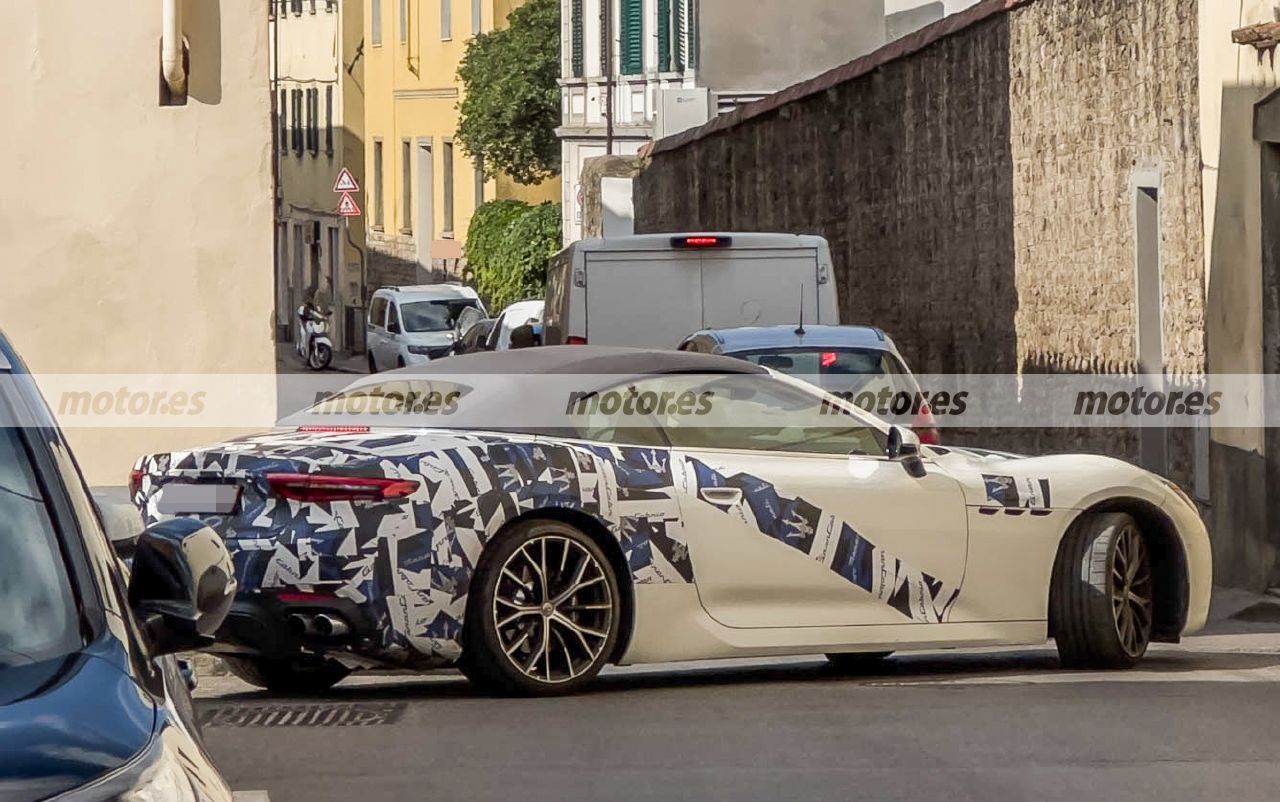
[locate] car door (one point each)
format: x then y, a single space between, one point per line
796 517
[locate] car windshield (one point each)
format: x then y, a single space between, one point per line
426 316
39 621
836 370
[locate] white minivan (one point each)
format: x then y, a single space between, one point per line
414 325
653 290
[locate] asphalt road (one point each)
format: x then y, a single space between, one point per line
1200 721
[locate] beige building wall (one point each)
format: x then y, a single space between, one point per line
137 236
1233 79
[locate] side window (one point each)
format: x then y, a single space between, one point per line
755 412
617 416
378 312
393 316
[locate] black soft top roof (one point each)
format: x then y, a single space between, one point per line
582 360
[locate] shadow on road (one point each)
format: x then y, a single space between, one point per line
907 669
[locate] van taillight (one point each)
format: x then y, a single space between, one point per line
926 427
327 487
576 341
701 241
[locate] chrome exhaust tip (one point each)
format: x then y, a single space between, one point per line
331 626
301 625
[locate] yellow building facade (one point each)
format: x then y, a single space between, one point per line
421 189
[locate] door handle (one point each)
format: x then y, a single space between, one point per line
721 495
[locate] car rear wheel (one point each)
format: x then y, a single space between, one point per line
1102 602
544 612
858 662
306 676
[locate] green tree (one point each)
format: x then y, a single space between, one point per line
509 246
511 102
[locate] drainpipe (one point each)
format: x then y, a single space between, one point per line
171 48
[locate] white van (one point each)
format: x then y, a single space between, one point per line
414 325
654 290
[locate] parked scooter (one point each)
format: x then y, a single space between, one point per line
314 345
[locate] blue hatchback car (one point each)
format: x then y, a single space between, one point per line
92 705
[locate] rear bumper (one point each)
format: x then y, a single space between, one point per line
259 624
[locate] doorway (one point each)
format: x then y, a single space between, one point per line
424 224
1153 442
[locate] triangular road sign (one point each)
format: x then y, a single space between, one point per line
347 207
346 182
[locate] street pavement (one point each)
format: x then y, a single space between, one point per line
1196 721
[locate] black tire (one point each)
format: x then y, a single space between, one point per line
321 357
299 676
858 662
400 363
511 655
1102 598
373 364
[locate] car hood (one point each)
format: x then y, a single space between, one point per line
1059 481
427 338
67 721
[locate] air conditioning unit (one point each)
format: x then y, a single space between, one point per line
681 109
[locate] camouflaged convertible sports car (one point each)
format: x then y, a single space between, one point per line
681 506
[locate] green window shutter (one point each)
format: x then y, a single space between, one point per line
664 35
577 43
681 35
632 37
605 67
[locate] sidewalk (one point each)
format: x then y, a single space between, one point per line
289 363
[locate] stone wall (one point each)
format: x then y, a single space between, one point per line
975 183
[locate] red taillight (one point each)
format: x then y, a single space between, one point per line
298 597
326 487
701 241
334 429
829 358
925 427
135 482
576 341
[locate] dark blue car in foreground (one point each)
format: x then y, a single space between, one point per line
92 707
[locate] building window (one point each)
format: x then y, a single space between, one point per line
377 184
606 33
297 122
446 19
284 120
404 21
406 186
447 175
330 5
632 35
328 116
477 17
313 6
673 35
664 35
576 44
375 24
297 6
479 182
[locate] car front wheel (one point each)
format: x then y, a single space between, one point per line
544 612
1102 602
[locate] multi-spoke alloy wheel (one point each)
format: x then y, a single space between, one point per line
1131 591
1102 603
550 611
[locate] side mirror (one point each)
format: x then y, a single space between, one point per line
904 447
393 327
526 336
182 584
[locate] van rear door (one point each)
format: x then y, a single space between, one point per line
759 287
643 299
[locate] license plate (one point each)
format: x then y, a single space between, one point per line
201 499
